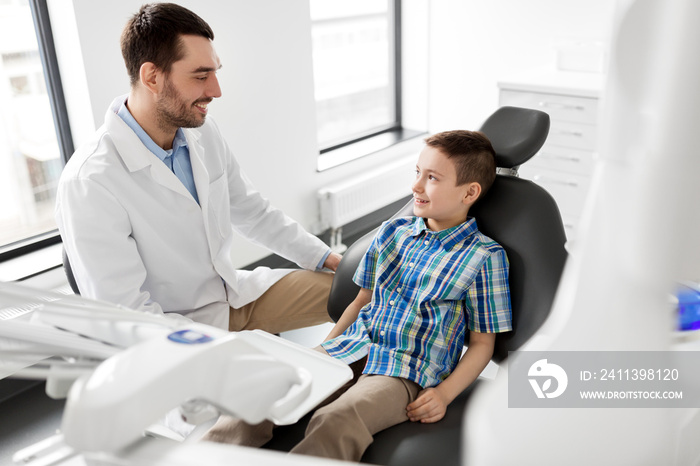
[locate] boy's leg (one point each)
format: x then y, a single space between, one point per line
297 300
235 431
345 428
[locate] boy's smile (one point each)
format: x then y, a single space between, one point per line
436 195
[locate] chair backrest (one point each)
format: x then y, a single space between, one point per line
69 273
517 213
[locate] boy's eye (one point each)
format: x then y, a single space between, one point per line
431 177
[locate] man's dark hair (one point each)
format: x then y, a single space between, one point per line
472 154
154 35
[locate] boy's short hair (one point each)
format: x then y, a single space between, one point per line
153 35
472 154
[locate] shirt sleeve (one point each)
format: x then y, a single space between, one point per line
488 299
365 275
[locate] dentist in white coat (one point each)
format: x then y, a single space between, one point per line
147 209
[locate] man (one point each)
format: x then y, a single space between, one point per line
147 209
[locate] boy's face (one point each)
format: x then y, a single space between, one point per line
436 196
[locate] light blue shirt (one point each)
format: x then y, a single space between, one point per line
176 159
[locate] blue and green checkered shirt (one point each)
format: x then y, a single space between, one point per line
428 288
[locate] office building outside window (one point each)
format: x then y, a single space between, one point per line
30 148
355 69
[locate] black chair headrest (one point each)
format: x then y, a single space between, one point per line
516 134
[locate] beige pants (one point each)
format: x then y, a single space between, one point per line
343 426
298 300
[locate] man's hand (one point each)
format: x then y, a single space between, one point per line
332 261
429 406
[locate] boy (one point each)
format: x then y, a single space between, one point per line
424 281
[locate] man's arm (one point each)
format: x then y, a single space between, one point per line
96 235
253 216
351 312
431 403
332 261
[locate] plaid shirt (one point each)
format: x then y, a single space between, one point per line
428 288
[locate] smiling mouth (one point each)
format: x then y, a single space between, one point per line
418 201
202 106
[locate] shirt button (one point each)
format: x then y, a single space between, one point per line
427 242
382 333
398 289
391 302
411 264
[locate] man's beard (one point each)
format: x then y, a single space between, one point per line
173 112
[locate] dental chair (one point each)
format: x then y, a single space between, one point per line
69 272
525 220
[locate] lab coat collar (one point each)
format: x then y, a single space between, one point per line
199 170
137 156
128 144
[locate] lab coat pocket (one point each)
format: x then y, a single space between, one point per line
218 208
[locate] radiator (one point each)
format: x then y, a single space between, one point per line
356 197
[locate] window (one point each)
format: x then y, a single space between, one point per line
356 70
34 133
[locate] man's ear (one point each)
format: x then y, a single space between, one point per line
150 77
472 193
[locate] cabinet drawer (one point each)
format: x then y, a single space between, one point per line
559 107
567 189
573 135
578 162
570 226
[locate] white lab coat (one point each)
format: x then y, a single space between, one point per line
135 236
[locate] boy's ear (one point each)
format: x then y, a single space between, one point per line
150 77
472 193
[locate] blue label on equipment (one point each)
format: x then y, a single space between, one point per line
189 337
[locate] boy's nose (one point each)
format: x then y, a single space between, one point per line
417 186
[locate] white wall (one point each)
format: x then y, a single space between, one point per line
454 52
474 43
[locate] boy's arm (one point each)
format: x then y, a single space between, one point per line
351 312
431 403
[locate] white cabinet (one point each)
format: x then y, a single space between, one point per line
564 165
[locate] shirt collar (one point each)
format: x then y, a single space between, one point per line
178 141
449 237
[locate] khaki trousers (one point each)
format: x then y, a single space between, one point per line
343 426
298 300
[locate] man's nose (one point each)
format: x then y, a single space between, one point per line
214 89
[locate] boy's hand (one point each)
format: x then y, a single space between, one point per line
429 406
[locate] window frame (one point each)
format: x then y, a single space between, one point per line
59 110
381 137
